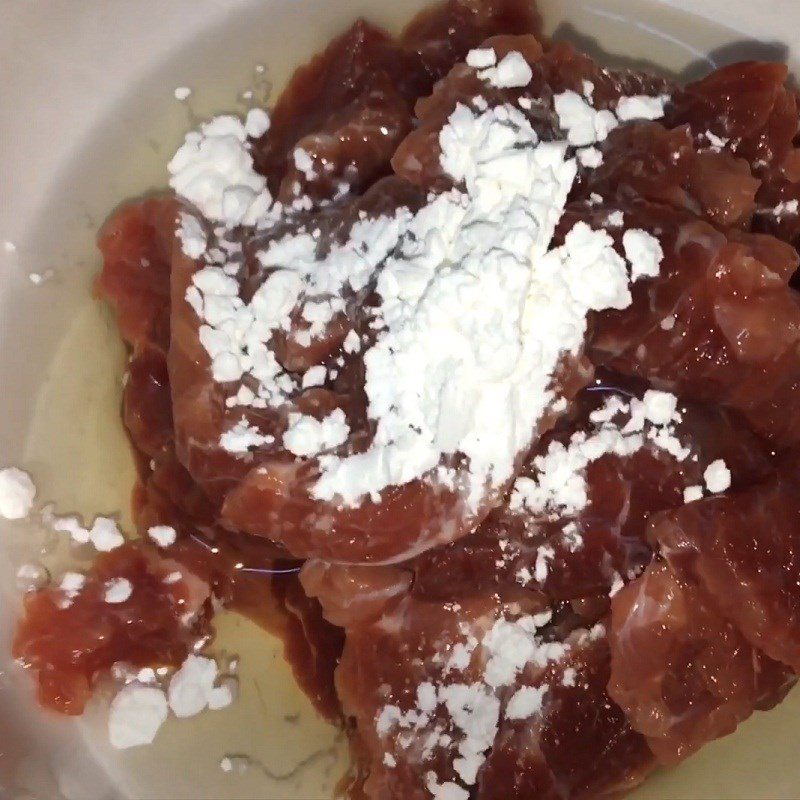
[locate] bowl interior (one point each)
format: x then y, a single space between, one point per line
106 132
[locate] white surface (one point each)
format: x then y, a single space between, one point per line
87 117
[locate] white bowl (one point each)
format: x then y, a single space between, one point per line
87 118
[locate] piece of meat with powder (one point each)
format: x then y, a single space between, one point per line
348 108
558 69
267 491
71 642
648 161
436 703
575 555
746 106
751 111
719 325
742 549
580 745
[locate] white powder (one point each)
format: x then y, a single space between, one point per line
182 93
717 476
236 335
641 107
17 493
71 585
644 253
444 791
105 535
717 142
163 535
616 219
560 484
73 526
568 679
512 645
256 123
660 408
222 696
213 169
692 493
314 376
786 208
461 655
525 702
590 157
38 278
304 163
481 58
351 344
580 121
477 312
192 236
512 72
9 247
307 436
242 437
146 675
541 568
136 715
118 590
31 577
191 686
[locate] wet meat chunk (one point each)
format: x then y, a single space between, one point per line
742 550
70 639
572 556
720 324
136 244
682 673
349 108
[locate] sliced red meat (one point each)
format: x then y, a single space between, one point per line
719 324
748 105
743 549
136 244
350 106
558 69
70 643
607 538
681 672
582 746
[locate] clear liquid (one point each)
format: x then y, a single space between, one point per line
292 752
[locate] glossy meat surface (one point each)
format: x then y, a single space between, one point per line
682 673
743 551
72 642
661 624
